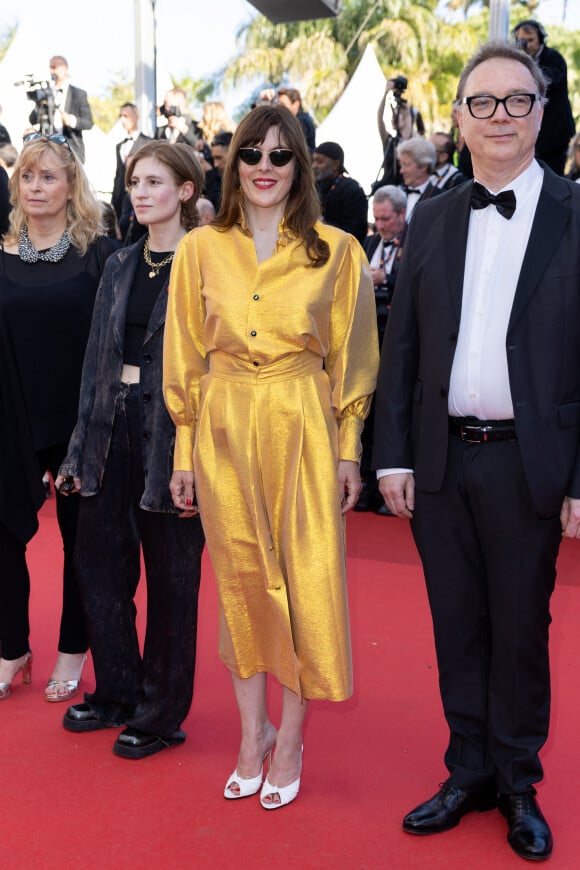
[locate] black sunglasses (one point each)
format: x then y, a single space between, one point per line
277 157
53 137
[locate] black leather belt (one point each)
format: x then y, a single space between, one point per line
476 431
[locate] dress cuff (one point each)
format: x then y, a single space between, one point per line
349 435
183 452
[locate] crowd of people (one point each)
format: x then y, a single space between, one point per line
215 333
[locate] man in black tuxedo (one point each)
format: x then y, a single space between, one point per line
417 159
72 113
558 124
383 249
134 139
445 175
477 438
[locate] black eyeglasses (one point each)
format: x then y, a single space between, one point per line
53 137
485 106
277 157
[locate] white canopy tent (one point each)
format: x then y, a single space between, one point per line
353 121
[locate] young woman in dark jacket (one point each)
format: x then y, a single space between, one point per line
120 460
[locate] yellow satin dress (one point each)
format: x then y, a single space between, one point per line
268 373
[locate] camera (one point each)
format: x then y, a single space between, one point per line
167 111
42 95
399 85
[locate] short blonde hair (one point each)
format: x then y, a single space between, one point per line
83 216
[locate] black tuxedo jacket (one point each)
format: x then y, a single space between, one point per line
119 182
542 345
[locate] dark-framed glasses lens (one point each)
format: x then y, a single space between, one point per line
281 156
277 157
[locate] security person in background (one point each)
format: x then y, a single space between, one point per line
558 125
343 201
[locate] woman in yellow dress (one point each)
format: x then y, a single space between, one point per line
270 359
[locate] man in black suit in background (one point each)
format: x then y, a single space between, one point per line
134 139
417 159
558 124
477 438
72 113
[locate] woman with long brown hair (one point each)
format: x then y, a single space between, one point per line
270 359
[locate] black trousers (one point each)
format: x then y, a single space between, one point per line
489 564
153 691
15 579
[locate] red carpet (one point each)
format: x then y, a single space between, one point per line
67 802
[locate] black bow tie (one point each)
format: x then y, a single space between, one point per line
409 190
505 202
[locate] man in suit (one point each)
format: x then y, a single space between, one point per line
290 97
477 438
417 158
445 175
134 139
72 113
343 201
558 124
383 250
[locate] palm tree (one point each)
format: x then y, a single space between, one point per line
321 55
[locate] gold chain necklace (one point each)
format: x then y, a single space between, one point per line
155 267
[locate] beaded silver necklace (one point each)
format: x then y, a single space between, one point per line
28 253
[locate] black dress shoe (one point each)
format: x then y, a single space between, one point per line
132 743
446 809
529 834
83 717
367 498
382 510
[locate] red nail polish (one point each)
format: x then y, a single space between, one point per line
188 502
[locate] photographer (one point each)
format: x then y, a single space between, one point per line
63 109
180 126
397 121
557 126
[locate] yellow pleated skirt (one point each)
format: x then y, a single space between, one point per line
265 460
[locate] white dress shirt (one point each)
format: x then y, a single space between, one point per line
384 256
442 175
413 198
479 384
127 144
60 95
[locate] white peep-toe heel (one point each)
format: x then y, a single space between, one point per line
286 793
247 785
